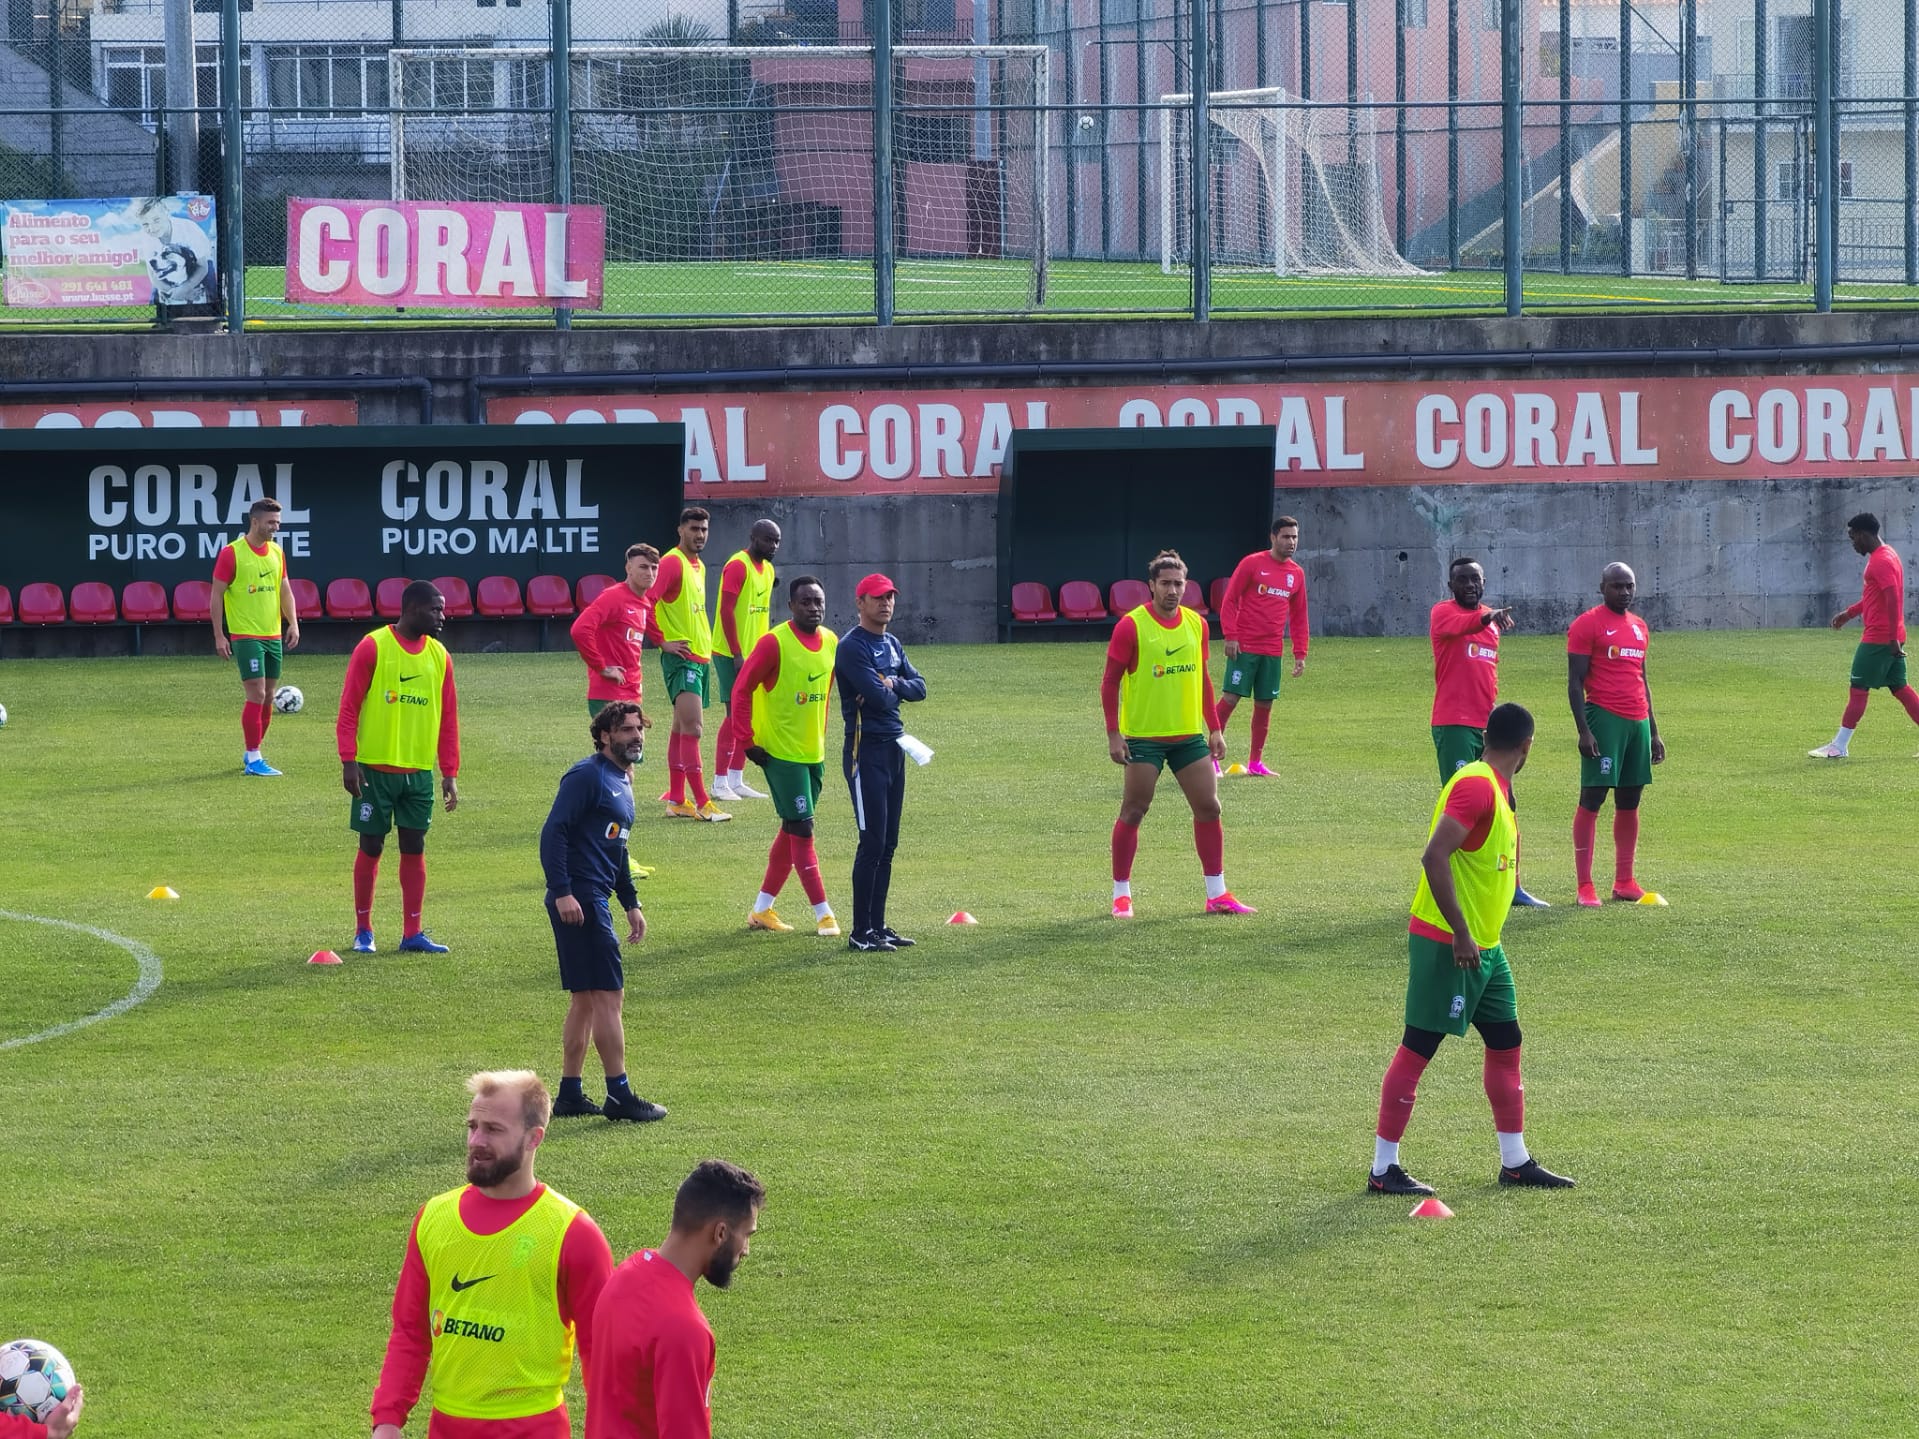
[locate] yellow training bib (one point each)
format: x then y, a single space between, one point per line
1165 695
789 721
1483 878
752 608
684 618
252 599
400 719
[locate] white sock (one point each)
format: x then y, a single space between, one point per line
763 903
1122 889
1215 885
1842 739
252 755
1385 1154
1512 1149
822 910
736 777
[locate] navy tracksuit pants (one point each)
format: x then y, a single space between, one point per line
876 774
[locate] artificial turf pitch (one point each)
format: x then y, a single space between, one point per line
1049 1176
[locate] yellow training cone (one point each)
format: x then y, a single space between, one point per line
1653 899
163 891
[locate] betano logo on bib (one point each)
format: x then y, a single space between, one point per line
809 697
1161 671
394 697
452 1328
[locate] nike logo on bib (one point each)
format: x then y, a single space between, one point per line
468 1284
405 678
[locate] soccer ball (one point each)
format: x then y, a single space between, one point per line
288 701
1087 124
3 716
34 1378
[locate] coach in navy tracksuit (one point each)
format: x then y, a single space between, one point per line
875 678
583 851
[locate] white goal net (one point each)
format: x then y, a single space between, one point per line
1296 188
711 152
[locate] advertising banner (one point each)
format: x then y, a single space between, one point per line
155 249
1336 433
422 501
179 414
445 255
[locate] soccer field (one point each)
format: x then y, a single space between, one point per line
1050 1176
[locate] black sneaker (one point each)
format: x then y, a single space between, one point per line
1533 1175
565 1108
898 941
631 1106
1396 1181
870 941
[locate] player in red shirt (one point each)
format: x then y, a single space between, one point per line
1618 734
1880 660
653 1351
1265 598
609 632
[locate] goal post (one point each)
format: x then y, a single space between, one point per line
1298 186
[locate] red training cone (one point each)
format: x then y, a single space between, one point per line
962 918
325 956
1430 1209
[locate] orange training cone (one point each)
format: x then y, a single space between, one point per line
325 956
962 918
1430 1209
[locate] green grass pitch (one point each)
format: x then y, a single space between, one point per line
1049 1176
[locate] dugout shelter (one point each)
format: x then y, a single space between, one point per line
1080 509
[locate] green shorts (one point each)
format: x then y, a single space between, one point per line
593 708
1254 677
258 659
1457 745
726 673
1164 754
1625 751
686 677
795 786
387 799
1878 667
1444 998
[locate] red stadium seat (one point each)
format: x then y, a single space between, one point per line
1216 594
459 599
387 597
1033 603
193 602
1128 595
590 587
499 597
42 604
144 602
549 595
306 599
94 603
1195 598
6 605
348 600
1079 600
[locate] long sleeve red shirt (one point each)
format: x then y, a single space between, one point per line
12 1426
1884 601
1265 600
1465 664
732 586
652 1374
607 634
761 669
1122 655
353 692
585 1262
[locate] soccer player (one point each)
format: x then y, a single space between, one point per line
1160 714
1880 660
255 606
583 852
60 1424
1618 734
678 625
788 741
1458 974
746 598
1465 636
653 1351
398 713
498 1285
609 631
1265 598
875 679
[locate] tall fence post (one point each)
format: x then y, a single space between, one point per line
1511 149
1825 162
882 37
1565 136
1625 139
1761 85
1452 134
232 144
1399 125
1203 167
1689 125
560 25
181 121
1911 33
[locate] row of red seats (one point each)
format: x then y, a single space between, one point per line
1082 600
144 602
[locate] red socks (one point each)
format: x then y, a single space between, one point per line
1504 1091
723 749
695 781
366 869
412 892
807 861
1625 840
1908 697
1125 846
253 723
1209 838
675 769
1399 1089
779 863
1856 707
1262 720
1585 826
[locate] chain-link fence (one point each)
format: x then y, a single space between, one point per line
768 159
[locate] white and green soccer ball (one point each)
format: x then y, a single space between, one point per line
3 716
288 701
34 1378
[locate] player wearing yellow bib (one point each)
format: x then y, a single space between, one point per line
1160 714
252 609
1458 973
781 697
399 713
679 628
498 1285
744 614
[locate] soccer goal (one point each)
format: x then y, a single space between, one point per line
709 152
1296 189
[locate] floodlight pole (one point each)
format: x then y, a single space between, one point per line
1565 137
883 253
1826 165
1200 70
561 25
1511 162
1911 32
233 119
181 121
1761 83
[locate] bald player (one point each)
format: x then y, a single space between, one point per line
1618 735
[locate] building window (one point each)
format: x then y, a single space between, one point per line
136 78
1845 179
1785 185
313 80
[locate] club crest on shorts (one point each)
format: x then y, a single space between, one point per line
1605 764
1458 1007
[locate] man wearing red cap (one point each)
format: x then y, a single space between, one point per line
875 679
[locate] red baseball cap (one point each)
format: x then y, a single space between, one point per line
875 585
